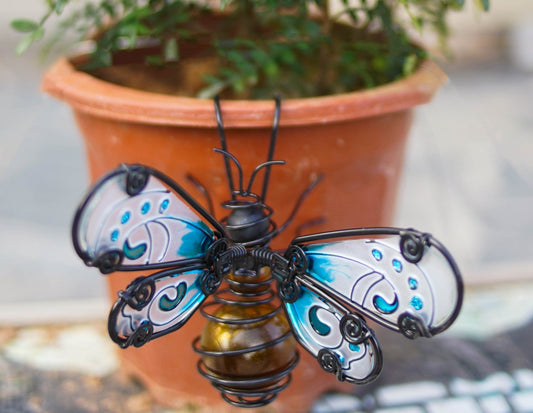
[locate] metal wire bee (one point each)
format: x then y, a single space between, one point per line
136 218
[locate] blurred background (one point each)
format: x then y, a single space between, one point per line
468 175
468 179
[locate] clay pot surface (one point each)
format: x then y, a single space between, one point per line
355 140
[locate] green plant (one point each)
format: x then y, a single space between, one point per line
294 47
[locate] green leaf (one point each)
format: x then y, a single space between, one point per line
37 34
287 56
209 92
99 58
90 10
109 9
303 47
60 6
457 4
483 4
409 65
154 60
271 69
260 56
224 4
239 86
27 40
379 63
23 45
171 51
24 25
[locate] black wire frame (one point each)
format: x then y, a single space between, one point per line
218 230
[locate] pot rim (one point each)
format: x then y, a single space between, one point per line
97 97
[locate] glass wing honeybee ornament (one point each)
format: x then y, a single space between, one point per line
328 284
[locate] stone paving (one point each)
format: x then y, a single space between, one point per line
496 377
500 392
488 370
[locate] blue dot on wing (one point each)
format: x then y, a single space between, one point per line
164 206
413 283
125 217
416 303
397 265
145 208
377 254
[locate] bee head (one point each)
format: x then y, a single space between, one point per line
248 222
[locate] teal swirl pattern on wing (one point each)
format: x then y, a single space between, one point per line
176 296
155 226
376 280
316 326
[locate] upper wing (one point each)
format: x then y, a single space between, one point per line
137 218
402 279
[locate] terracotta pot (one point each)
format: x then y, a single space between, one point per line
356 140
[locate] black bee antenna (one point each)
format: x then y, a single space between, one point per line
223 144
273 138
257 169
227 157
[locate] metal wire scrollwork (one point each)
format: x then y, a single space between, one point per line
412 246
139 293
248 305
352 330
108 262
330 363
412 327
136 179
141 335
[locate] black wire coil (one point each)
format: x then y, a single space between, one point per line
248 391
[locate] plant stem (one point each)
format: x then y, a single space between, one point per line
247 17
325 50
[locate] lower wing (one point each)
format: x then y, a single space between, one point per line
342 343
158 304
